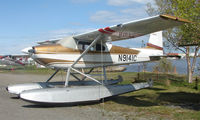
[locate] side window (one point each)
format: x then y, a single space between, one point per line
84 45
100 47
80 46
92 49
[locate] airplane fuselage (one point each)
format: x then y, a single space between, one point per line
57 56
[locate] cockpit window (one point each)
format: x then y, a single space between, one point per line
84 45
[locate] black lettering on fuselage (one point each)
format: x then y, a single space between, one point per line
127 58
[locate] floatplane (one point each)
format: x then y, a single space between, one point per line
91 50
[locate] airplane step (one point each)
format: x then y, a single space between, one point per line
77 94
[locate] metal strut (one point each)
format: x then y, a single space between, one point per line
87 49
74 75
52 75
104 74
86 75
84 52
67 77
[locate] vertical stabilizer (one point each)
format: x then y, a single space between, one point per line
156 40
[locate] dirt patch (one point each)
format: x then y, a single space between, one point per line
13 108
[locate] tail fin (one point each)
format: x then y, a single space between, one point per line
156 41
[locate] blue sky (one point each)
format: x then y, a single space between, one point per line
25 22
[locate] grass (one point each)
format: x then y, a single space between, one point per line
171 97
174 100
27 69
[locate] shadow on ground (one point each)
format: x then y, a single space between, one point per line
184 100
60 105
133 101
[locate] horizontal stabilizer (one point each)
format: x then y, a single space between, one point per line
155 58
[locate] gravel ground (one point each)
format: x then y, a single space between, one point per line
12 108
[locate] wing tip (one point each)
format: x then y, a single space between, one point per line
167 16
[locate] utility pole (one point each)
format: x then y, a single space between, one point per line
144 65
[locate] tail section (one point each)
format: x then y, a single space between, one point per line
156 41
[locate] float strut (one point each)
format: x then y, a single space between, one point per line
75 77
52 75
88 73
67 76
104 74
77 60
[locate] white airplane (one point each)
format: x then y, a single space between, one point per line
10 60
91 50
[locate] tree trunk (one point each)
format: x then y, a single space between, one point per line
191 66
189 69
190 80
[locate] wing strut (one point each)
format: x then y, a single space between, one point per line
72 66
87 49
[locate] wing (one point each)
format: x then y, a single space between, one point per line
47 42
133 29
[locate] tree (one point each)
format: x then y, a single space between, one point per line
185 38
164 66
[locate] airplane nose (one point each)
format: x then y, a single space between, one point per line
26 50
31 51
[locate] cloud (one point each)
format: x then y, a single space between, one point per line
131 10
117 17
126 2
134 12
76 24
9 47
107 17
55 34
132 43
